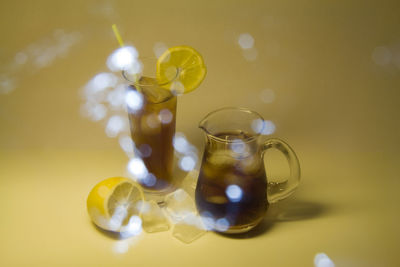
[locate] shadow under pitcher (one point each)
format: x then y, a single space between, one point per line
233 192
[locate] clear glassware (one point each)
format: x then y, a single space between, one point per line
152 117
233 192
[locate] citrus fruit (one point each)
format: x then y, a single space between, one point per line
180 69
113 202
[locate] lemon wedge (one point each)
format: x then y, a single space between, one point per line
113 203
180 69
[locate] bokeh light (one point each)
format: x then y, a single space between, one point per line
267 96
36 56
180 143
132 230
187 163
250 54
159 48
124 58
137 168
186 152
134 100
260 126
44 52
257 125
21 58
115 125
208 220
128 238
222 225
165 116
121 246
381 55
180 195
100 82
238 146
94 111
145 150
269 128
152 120
116 97
104 9
7 84
117 218
143 206
149 180
322 260
246 41
127 144
107 97
234 193
178 87
134 226
193 219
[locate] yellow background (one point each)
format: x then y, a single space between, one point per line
334 68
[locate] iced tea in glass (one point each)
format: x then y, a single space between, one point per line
152 123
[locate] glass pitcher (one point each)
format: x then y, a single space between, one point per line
233 192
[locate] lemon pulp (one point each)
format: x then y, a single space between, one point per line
112 203
180 69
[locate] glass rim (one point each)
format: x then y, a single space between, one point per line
241 109
141 74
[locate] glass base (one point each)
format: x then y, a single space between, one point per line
240 228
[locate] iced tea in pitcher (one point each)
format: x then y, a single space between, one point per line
233 193
232 186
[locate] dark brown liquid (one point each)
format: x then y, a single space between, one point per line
220 168
153 139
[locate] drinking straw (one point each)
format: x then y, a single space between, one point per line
117 35
121 44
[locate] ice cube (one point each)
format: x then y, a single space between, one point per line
182 211
250 165
150 124
222 158
187 233
179 205
153 218
152 91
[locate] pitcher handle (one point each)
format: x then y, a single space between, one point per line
279 190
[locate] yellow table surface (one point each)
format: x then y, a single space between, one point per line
326 73
342 209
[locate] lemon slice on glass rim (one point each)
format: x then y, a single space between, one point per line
114 204
180 69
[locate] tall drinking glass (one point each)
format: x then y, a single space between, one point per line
152 117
